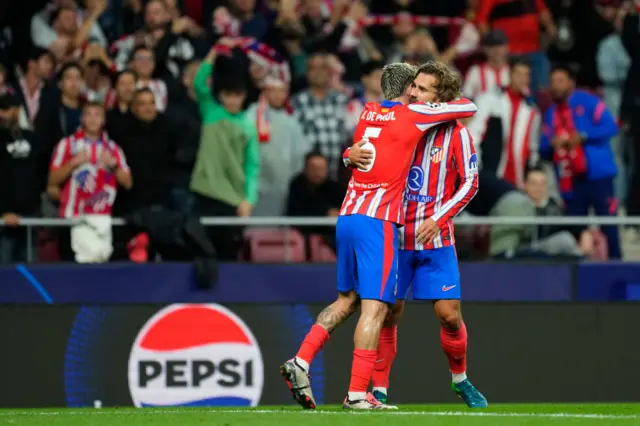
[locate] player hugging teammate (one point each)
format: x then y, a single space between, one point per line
423 142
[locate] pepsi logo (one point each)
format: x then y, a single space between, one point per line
195 355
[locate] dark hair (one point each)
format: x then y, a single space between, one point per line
231 84
66 67
566 68
92 104
371 66
313 154
514 61
533 169
449 84
33 55
126 71
56 13
143 90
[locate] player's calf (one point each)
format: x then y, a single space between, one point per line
366 338
387 350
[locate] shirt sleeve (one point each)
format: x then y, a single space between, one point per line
201 88
61 154
252 169
121 160
428 114
466 162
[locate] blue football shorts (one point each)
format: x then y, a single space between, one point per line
367 252
433 274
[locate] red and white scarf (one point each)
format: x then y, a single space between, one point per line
571 162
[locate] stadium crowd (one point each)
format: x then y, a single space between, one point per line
244 107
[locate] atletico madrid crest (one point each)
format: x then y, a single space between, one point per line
436 154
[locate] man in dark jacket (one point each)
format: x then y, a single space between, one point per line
19 195
313 194
148 141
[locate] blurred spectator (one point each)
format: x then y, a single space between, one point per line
143 64
186 113
168 36
577 132
313 193
553 239
88 167
63 29
371 92
321 112
35 70
613 66
520 20
500 198
493 74
506 129
242 16
282 147
97 68
58 115
630 108
148 140
19 195
225 176
120 98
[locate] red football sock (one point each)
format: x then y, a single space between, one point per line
454 344
387 349
362 369
313 342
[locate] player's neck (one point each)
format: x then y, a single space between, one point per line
372 97
402 99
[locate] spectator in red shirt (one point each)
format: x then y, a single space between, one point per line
88 167
520 20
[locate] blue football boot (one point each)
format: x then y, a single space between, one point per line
469 394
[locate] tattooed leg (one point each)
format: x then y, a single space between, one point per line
338 312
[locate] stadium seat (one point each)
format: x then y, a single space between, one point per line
320 251
275 245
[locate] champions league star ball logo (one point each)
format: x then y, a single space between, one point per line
195 355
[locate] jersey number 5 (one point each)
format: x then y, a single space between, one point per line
369 134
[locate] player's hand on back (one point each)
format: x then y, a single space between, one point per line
359 157
427 231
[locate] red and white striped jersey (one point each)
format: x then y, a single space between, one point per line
482 78
91 188
392 131
444 155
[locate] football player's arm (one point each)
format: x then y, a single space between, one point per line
354 156
466 161
426 115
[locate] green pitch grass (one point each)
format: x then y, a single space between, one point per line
432 415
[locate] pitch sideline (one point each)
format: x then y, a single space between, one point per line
147 411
